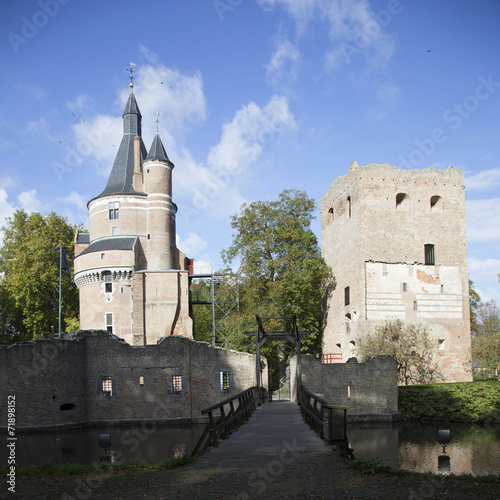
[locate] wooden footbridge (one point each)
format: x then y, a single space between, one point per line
271 425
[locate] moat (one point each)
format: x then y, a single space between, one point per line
473 449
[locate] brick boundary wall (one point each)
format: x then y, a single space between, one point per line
369 390
94 378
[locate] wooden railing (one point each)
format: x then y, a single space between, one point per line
327 420
225 417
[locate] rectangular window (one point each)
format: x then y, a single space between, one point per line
405 287
109 322
177 384
114 210
114 230
141 381
107 386
347 296
429 255
224 380
108 282
415 305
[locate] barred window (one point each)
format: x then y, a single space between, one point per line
224 380
177 384
430 259
107 386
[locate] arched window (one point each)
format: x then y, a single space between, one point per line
349 207
330 214
436 203
401 201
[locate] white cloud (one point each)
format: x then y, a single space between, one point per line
483 181
192 245
29 201
484 268
42 127
483 220
388 96
284 60
75 199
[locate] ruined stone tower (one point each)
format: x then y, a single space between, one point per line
395 240
133 281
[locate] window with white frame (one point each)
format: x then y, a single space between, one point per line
109 322
114 210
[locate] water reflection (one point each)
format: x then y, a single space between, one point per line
106 444
472 449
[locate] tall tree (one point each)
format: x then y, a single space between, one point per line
280 269
409 344
486 339
29 296
474 302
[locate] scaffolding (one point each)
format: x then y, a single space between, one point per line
221 309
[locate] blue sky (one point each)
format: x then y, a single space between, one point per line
254 96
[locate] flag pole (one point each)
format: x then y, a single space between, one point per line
60 279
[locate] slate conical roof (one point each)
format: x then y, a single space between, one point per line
157 151
120 178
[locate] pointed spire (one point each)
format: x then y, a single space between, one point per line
157 151
120 179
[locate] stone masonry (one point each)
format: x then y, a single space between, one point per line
95 378
396 242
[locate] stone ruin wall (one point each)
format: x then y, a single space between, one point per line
58 382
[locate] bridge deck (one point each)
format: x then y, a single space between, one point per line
274 428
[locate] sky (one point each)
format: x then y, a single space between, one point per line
254 97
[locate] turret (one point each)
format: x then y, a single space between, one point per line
157 175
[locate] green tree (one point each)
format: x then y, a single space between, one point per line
201 313
486 338
29 296
280 270
409 344
474 302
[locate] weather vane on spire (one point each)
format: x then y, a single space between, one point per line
157 120
132 74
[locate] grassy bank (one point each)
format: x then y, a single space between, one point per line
461 402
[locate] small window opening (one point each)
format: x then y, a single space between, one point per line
149 236
330 214
108 281
347 296
405 287
67 407
109 322
114 210
415 305
339 346
430 259
114 230
141 381
349 207
442 288
400 198
177 384
224 380
107 386
436 203
102 256
441 344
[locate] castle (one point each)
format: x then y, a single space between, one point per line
132 279
395 240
